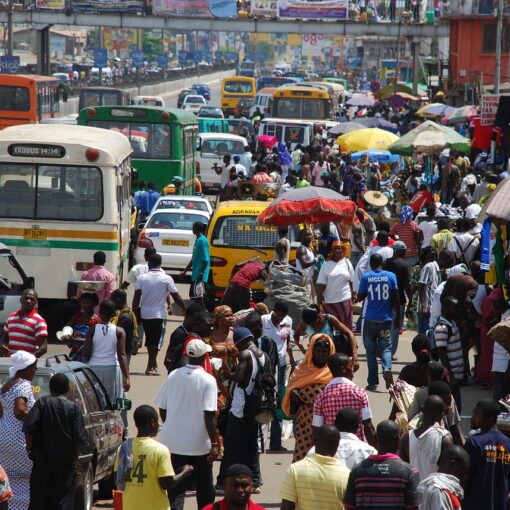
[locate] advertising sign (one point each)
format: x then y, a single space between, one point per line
119 39
163 60
50 4
9 65
223 8
183 55
488 109
317 9
100 57
181 8
137 57
266 8
108 6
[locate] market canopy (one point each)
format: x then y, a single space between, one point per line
366 139
345 127
405 145
360 100
391 90
498 203
377 122
308 205
434 110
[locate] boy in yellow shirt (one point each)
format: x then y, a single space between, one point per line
143 468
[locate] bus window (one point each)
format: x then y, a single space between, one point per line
91 99
313 109
63 193
14 99
110 99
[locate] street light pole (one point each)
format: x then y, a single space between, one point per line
499 34
10 41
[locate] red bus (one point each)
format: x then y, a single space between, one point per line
27 99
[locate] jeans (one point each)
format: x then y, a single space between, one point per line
275 441
355 256
377 337
241 447
202 471
395 332
423 323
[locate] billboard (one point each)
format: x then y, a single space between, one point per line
488 109
54 5
313 9
119 39
195 8
266 8
108 6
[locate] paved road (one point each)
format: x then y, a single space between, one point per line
273 466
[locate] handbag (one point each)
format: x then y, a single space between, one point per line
222 419
341 341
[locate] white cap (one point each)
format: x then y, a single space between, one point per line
197 348
21 360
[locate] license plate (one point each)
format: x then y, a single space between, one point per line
35 233
175 242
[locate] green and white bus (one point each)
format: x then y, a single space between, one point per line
163 140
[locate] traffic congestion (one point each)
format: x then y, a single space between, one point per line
283 287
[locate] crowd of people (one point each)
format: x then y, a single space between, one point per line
239 373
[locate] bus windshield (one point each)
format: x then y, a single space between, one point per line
243 231
51 192
238 87
149 141
14 99
299 108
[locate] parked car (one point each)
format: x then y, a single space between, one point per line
193 103
182 94
169 231
211 112
202 89
103 422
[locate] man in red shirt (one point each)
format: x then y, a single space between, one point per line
238 489
237 295
421 199
26 330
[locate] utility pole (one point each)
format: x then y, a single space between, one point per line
10 41
499 34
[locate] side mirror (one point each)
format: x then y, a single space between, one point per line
122 404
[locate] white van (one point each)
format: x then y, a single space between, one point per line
288 130
211 147
263 100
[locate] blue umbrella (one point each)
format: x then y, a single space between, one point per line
378 122
379 156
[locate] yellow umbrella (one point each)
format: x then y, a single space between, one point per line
366 139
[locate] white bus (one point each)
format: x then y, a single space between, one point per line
64 194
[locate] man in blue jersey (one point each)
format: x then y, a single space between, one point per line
379 289
145 200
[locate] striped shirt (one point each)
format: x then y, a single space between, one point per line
25 333
407 232
382 482
315 482
447 336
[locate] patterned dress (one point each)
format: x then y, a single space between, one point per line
13 454
304 416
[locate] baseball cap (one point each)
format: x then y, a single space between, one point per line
237 158
241 334
399 245
197 348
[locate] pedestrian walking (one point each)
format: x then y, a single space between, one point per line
99 273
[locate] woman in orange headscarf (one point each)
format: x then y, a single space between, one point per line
309 378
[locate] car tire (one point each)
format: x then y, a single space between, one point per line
106 486
85 490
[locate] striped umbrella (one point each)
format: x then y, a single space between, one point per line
434 110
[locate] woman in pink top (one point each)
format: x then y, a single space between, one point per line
261 176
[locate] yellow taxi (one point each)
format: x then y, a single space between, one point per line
235 236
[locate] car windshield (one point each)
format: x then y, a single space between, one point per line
174 221
222 147
178 203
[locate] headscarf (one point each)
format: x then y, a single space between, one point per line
220 312
284 158
20 361
406 214
306 373
334 244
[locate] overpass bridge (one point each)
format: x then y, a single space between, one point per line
42 20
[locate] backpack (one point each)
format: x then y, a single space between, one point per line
463 251
260 404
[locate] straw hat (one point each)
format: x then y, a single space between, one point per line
375 198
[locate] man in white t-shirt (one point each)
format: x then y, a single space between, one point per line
428 226
240 169
277 325
132 277
151 302
187 404
320 166
463 244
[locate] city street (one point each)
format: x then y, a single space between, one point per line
273 466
